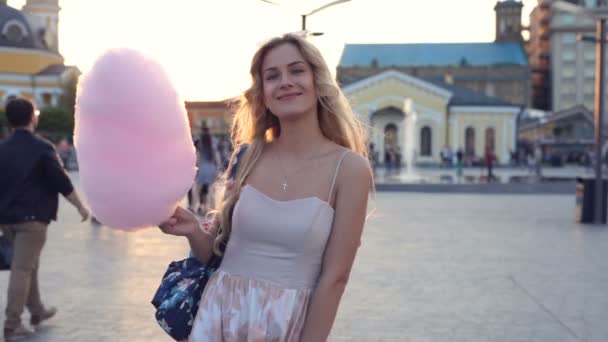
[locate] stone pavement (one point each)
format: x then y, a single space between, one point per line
432 267
434 174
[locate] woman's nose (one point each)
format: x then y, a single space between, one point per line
286 81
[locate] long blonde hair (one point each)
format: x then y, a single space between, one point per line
255 125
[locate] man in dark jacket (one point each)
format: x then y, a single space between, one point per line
31 179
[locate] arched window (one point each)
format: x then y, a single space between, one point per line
390 142
390 135
469 147
490 138
14 31
426 149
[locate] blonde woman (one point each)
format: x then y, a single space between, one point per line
294 216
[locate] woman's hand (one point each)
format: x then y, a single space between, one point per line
181 223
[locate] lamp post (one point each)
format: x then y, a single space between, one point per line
600 14
304 16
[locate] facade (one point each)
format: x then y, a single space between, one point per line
564 68
539 55
30 63
497 69
494 69
566 136
422 117
216 115
508 21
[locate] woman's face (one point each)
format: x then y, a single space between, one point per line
288 82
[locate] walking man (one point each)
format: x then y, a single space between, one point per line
32 178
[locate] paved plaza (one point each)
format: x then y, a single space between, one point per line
432 267
474 174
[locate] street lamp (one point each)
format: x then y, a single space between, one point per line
600 14
304 16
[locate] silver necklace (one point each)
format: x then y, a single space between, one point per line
283 173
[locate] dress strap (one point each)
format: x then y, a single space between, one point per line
333 182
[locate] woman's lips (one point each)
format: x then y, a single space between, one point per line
288 96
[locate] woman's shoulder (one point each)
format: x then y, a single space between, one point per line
354 166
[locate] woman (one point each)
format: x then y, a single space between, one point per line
208 164
294 215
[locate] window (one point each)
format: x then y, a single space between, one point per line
568 38
490 89
425 142
566 18
14 31
568 72
569 55
588 3
469 148
46 99
390 140
490 138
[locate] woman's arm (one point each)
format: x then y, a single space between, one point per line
354 183
184 223
201 241
200 236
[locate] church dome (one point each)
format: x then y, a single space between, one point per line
15 30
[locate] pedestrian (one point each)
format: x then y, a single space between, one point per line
489 160
398 158
32 178
388 159
538 161
293 218
373 157
459 164
208 168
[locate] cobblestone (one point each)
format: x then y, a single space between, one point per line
432 267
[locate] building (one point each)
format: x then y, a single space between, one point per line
539 55
508 21
421 117
565 136
30 63
216 115
497 69
563 67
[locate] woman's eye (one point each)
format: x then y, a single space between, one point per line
297 71
271 77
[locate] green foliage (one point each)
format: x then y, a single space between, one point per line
4 130
68 99
56 122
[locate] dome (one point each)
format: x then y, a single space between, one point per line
15 30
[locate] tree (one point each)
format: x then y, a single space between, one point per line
3 125
56 122
68 98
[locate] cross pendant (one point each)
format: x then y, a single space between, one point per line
285 186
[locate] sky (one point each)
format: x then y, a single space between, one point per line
206 45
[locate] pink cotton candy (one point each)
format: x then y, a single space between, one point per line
135 151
